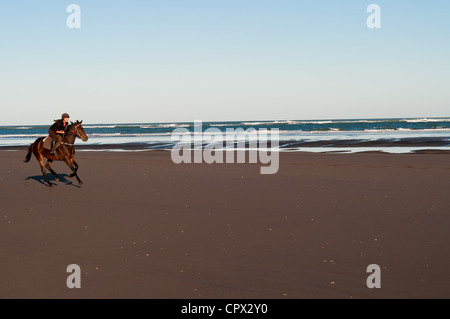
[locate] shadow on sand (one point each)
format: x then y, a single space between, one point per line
63 178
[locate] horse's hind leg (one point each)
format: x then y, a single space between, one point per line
48 166
41 163
74 169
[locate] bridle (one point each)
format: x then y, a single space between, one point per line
76 134
76 131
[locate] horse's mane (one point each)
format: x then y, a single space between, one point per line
71 123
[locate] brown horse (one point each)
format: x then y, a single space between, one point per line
65 152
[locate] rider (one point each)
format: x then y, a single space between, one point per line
57 130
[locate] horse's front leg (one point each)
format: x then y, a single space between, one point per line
74 170
75 166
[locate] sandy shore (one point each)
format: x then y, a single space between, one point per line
144 227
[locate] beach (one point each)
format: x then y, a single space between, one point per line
142 226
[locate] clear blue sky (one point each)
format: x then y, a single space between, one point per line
219 60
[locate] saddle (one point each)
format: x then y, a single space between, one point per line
48 143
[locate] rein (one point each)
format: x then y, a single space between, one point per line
76 134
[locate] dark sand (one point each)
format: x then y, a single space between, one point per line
144 227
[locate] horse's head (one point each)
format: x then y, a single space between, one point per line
78 129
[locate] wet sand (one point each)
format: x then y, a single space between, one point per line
143 227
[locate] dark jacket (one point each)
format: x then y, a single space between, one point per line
57 126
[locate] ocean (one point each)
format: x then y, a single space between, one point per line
344 135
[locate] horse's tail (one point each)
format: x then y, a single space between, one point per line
30 150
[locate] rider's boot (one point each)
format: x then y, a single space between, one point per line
52 150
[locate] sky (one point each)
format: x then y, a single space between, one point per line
146 61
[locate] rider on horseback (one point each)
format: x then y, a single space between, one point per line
57 130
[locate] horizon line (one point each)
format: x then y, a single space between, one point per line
254 120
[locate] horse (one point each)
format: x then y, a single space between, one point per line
65 152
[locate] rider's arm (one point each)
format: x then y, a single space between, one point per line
55 127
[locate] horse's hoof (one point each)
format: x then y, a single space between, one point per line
80 183
50 185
